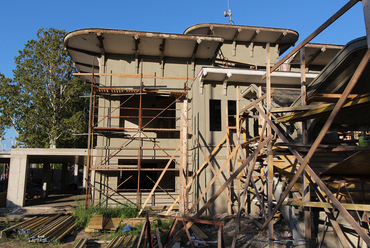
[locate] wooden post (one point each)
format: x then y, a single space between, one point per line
270 179
326 24
304 162
366 7
238 132
140 129
181 174
214 178
199 171
183 159
222 188
229 204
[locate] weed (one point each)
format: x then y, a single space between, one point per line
83 214
164 224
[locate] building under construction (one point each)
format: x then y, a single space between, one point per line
213 121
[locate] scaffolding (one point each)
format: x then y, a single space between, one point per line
251 164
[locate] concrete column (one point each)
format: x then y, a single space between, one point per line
84 176
17 180
64 178
45 179
75 177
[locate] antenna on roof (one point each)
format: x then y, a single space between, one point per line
228 12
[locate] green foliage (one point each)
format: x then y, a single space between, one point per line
7 92
43 101
164 224
83 214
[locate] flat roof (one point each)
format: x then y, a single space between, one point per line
285 38
280 79
57 155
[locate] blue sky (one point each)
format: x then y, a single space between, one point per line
20 20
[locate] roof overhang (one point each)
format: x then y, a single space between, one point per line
279 79
317 56
285 38
85 44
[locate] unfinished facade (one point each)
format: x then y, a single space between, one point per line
213 121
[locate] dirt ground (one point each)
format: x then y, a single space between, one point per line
250 226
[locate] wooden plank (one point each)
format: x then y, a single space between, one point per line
126 241
112 224
96 222
357 164
295 109
158 238
348 206
132 242
333 98
326 24
325 109
198 233
142 232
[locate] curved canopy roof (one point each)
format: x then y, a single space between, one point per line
82 45
317 55
285 38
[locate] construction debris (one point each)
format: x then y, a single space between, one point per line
81 243
127 242
44 229
198 237
100 223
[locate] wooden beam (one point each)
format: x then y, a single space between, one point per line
295 109
228 151
333 98
324 110
127 75
348 217
304 162
199 171
270 174
326 24
255 101
204 191
342 238
222 188
209 163
348 206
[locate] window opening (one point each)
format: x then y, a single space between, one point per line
215 115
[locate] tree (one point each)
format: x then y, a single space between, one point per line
7 103
47 105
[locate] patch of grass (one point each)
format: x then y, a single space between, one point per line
164 224
83 214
